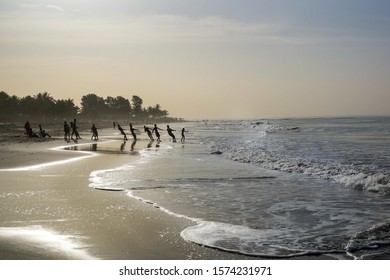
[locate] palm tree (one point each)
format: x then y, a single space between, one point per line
66 109
44 105
93 106
137 106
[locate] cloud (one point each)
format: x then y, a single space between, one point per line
53 7
30 6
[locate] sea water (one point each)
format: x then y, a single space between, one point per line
271 188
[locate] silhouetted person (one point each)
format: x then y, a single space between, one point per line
132 130
155 130
29 131
95 135
170 133
66 132
42 132
27 127
183 137
74 127
147 130
122 132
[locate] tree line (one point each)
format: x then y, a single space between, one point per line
44 107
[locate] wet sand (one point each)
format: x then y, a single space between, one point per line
48 211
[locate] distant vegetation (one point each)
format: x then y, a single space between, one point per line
43 107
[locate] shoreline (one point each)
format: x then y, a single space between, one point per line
49 212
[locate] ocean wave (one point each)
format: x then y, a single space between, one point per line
107 179
372 243
349 176
349 151
251 242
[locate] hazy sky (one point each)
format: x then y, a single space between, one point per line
203 58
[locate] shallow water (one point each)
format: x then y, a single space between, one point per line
274 188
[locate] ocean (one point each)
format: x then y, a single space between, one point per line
276 188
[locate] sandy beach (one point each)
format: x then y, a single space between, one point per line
48 211
116 200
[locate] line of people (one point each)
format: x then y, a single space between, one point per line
150 132
71 132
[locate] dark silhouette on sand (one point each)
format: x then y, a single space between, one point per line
183 137
170 133
29 131
27 127
122 132
132 131
147 130
43 133
74 127
66 132
95 135
155 130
